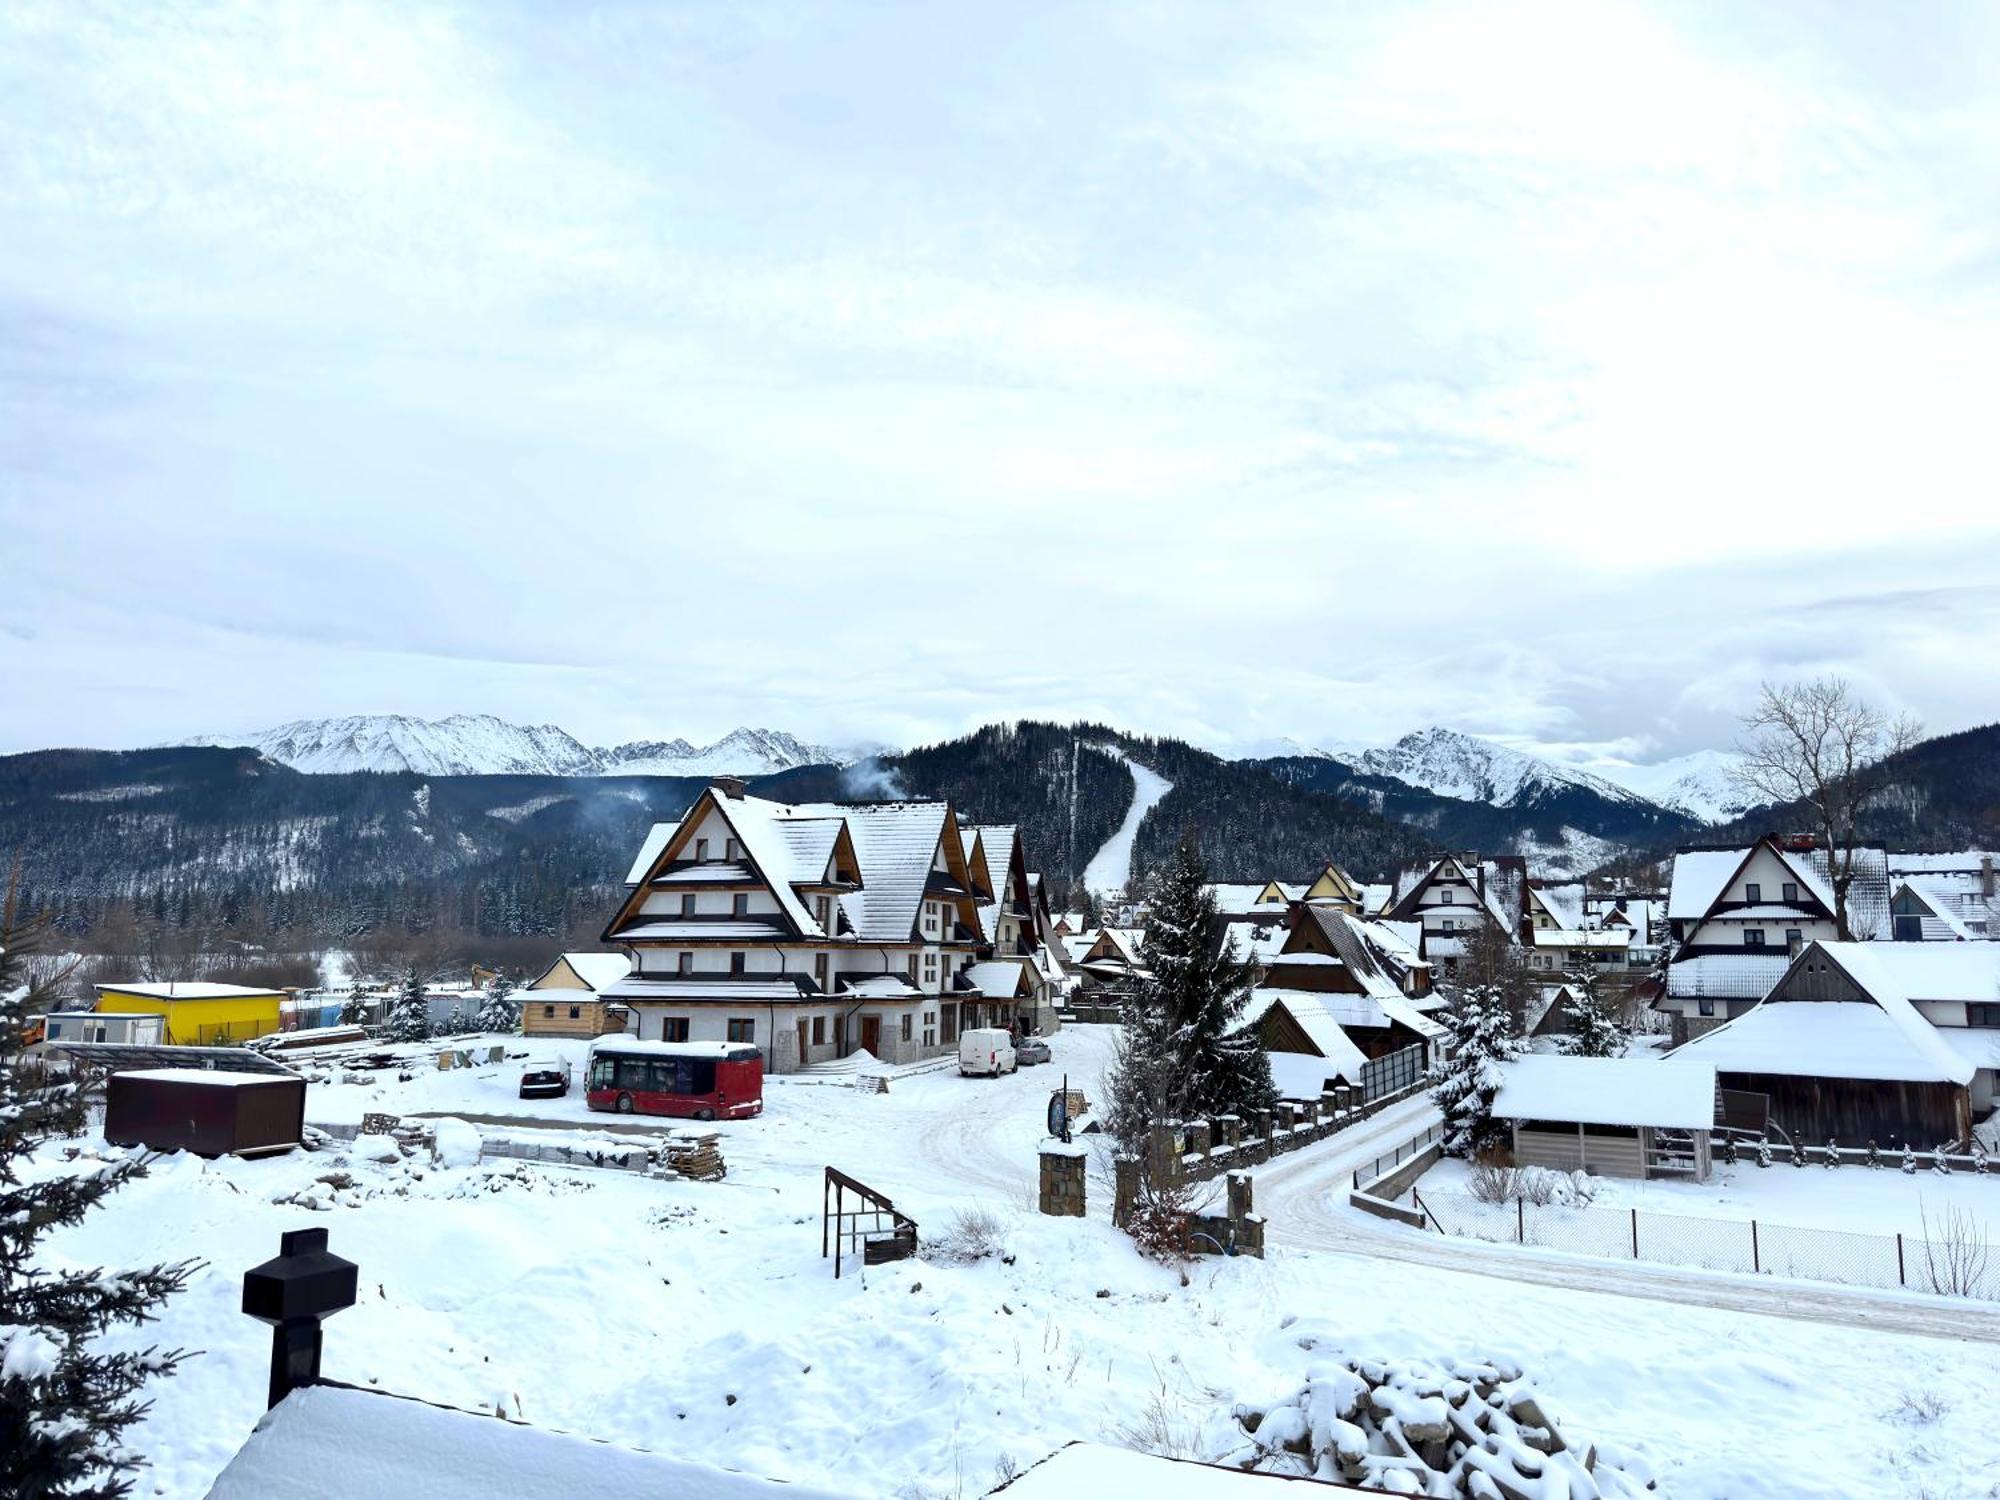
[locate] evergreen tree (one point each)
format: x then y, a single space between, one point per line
64 1407
410 1016
1594 1032
501 1010
354 1009
1483 1035
1198 991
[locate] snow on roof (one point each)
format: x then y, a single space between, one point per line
998 977
708 872
1978 1045
704 987
1963 861
878 986
997 840
1698 878
757 828
632 1045
1727 976
1829 1039
1299 1075
1608 1091
1319 1017
216 1076
810 842
1563 902
186 990
1574 937
649 850
327 1442
1939 903
895 843
749 930
598 969
1921 971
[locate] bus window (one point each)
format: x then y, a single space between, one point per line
602 1071
670 1075
632 1073
701 1072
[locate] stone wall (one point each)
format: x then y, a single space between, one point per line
1062 1179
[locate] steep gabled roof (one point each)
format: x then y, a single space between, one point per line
896 843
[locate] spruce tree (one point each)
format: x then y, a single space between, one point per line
1594 1032
64 1407
501 1010
1483 1035
410 1016
1196 992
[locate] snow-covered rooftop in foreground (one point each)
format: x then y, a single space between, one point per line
1608 1091
331 1443
1094 1471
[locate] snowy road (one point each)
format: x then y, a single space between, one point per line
1304 1202
1111 867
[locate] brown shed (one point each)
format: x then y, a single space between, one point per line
211 1113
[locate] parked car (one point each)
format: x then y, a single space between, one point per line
1032 1049
986 1052
545 1078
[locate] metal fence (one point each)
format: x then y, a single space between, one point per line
1953 1261
1394 1159
1394 1073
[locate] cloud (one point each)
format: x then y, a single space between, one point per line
1555 373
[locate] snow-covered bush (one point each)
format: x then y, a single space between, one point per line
974 1234
1540 1186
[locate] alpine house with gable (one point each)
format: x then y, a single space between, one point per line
809 932
1740 915
1458 895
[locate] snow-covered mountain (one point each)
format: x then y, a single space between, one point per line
1699 784
1464 766
481 745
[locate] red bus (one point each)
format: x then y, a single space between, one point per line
697 1080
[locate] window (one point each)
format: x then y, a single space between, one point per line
701 849
733 850
1982 1015
1444 924
906 1026
1753 937
1705 1007
1753 892
1909 929
822 910
913 966
739 905
1793 937
548 1012
819 971
930 1028
736 963
819 1031
1790 890
742 1031
684 962
674 1029
576 1012
687 905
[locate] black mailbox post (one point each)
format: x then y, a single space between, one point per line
292 1293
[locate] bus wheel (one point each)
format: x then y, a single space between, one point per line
704 1114
624 1104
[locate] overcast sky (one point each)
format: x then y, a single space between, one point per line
877 371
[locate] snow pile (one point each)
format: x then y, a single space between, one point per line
1471 1428
454 1143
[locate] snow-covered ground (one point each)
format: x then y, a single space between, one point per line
633 1310
1110 869
1857 1199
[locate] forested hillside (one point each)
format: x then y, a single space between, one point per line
1068 798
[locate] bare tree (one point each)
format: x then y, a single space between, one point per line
1818 744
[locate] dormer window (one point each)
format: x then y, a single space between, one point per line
1791 892
1753 892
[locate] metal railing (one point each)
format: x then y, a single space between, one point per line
1395 1158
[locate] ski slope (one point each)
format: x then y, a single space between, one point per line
1110 869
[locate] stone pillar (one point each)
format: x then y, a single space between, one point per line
1288 1114
1240 1195
1199 1139
1260 1123
1163 1153
1232 1129
1062 1179
1125 1194
1309 1115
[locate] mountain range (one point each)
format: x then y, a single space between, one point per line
481 745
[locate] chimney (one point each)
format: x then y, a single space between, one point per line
729 786
1986 883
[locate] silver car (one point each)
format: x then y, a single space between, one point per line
1031 1049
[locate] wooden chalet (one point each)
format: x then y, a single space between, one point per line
1897 1043
1456 896
567 998
813 931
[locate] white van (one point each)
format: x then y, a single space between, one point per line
985 1052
